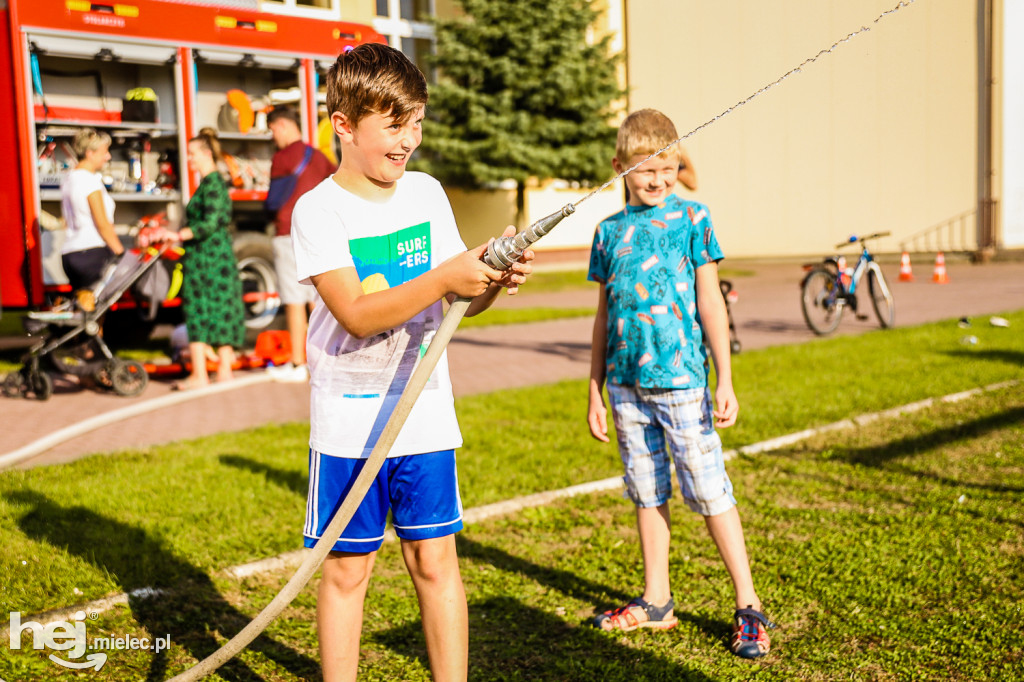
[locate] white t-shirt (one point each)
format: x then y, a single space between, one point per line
74 202
355 383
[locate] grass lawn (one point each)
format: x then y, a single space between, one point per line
890 552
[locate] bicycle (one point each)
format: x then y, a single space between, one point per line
828 289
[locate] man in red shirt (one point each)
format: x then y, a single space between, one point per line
297 299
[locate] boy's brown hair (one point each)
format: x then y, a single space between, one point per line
645 132
284 112
375 79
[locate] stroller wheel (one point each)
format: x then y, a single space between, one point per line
13 384
40 384
103 374
128 378
735 347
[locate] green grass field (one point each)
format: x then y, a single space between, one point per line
889 552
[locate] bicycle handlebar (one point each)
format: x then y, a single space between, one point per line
854 239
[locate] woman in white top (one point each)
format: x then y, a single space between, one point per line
89 212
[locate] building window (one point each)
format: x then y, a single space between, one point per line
418 50
415 10
405 24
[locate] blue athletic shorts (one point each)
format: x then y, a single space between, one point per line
657 427
421 491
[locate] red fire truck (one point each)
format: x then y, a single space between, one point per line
150 73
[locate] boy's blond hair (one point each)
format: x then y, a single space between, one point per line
375 79
645 132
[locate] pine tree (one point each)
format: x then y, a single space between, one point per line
520 94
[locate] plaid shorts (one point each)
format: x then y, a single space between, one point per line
651 423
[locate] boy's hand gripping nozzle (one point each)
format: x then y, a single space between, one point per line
503 252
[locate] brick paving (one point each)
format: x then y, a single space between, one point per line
492 358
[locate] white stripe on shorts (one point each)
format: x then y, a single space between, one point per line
344 539
312 522
428 525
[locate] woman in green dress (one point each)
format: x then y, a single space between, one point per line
211 291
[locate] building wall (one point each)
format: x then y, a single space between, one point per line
880 135
1011 119
358 11
482 214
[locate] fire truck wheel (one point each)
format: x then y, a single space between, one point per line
255 255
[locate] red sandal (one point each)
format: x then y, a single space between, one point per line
638 614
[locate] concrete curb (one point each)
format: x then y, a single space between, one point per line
861 420
43 444
477 514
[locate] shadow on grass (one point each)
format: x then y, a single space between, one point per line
489 658
1014 358
564 581
190 611
955 482
511 641
295 481
880 455
572 584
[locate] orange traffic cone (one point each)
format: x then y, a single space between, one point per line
906 274
939 276
844 277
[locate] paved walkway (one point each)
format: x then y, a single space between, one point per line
492 358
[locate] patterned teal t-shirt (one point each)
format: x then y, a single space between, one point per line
647 257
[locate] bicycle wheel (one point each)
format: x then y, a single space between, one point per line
821 299
881 297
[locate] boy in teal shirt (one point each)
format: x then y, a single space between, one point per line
657 263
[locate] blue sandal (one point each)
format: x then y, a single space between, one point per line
638 614
750 633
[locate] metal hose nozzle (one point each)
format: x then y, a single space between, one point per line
503 252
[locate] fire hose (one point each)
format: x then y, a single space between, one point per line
501 254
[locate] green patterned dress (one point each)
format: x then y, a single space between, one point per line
211 291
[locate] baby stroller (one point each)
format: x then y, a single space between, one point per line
730 297
71 342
